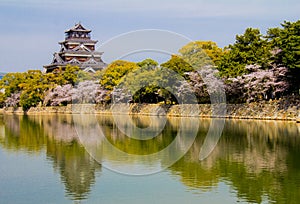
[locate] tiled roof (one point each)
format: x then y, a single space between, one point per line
79 40
78 27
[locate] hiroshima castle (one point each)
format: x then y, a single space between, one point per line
78 49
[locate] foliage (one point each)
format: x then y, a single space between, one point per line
148 86
147 64
55 78
89 92
70 74
204 84
33 89
2 100
61 95
249 48
286 45
84 76
11 83
258 85
83 92
201 53
13 100
178 64
254 68
139 83
32 86
287 40
25 89
112 75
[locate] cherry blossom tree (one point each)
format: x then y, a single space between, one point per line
13 100
90 92
61 95
205 84
260 84
83 92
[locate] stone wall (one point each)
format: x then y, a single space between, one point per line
265 110
273 110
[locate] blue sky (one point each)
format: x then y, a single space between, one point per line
30 29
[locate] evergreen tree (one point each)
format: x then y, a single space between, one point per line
249 48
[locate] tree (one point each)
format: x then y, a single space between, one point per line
147 64
60 95
13 100
201 53
286 46
83 92
10 83
25 89
114 72
148 86
55 78
204 84
2 100
85 76
249 48
86 92
70 74
33 89
259 85
287 39
178 64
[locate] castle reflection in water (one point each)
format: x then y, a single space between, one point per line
256 158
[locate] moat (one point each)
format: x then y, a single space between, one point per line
44 161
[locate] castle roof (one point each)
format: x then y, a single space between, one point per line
77 49
78 40
78 28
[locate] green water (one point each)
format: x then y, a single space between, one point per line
43 159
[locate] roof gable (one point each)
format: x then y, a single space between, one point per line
81 47
77 27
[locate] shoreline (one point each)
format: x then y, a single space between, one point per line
251 111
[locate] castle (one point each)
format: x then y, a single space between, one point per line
78 49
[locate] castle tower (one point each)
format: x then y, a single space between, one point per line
78 49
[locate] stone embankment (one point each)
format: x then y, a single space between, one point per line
271 110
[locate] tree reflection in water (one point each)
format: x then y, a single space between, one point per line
56 135
257 159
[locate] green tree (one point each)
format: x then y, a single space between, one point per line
70 74
114 72
84 76
56 77
249 48
151 86
148 64
98 74
33 84
287 39
201 53
33 89
2 100
178 64
285 42
11 83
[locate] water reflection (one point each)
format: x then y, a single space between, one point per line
106 141
56 136
259 160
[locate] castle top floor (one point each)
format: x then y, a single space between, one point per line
78 31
